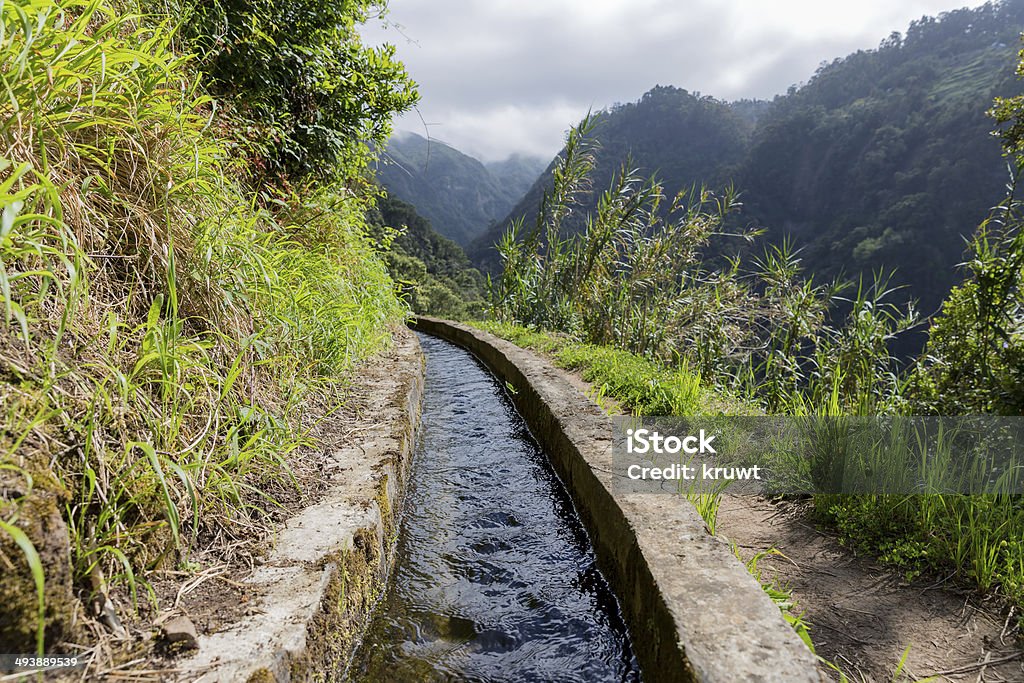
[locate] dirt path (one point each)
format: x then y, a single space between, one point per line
863 615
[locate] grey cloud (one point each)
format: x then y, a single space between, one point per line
497 75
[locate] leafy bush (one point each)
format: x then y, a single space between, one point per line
974 361
312 96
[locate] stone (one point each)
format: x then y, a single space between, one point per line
180 634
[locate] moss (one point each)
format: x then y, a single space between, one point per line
261 676
387 517
346 609
354 589
35 509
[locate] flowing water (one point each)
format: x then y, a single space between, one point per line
495 578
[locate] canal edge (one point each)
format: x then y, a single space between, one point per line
330 563
693 611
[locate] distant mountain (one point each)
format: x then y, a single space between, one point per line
460 196
884 159
685 138
517 173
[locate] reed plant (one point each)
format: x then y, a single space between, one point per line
648 275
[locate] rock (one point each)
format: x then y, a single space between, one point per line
180 634
37 511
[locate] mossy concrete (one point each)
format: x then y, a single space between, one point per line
694 613
330 562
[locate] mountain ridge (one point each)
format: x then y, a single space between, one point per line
460 195
882 159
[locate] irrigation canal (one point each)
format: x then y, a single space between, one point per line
495 578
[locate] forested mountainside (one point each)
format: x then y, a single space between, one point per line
884 159
686 137
433 273
459 195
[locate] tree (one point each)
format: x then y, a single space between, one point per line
316 99
974 361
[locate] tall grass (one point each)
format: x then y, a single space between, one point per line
648 275
932 496
167 329
645 276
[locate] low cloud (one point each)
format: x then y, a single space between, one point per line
504 76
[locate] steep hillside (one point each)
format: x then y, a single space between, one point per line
884 159
459 195
433 272
684 137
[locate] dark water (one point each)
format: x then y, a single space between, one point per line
495 578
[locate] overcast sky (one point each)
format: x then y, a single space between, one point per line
504 76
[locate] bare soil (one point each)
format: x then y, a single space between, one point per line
864 616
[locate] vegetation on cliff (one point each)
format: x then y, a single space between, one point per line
432 272
186 274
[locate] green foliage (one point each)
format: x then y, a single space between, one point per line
643 386
165 334
978 536
637 278
38 577
312 96
432 272
687 139
883 160
782 596
974 361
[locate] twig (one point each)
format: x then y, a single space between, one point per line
1006 625
984 665
189 586
236 584
844 633
968 668
854 609
937 584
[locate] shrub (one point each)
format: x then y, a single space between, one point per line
311 95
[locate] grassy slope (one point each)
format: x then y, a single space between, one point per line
164 333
